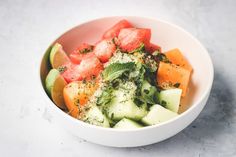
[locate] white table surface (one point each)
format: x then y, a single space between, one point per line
27 27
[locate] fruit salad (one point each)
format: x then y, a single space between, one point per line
124 81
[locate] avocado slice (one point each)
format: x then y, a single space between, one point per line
58 56
55 84
158 114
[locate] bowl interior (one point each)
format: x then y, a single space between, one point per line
166 35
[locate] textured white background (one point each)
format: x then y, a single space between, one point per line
26 29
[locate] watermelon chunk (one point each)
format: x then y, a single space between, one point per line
131 38
115 30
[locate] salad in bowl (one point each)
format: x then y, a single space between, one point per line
122 81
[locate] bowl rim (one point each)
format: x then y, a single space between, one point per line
191 108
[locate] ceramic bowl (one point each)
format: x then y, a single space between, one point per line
168 36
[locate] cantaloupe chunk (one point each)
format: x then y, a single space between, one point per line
173 74
76 94
176 57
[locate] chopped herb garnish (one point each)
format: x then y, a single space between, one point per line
61 69
150 63
176 85
163 103
112 115
160 57
86 50
146 91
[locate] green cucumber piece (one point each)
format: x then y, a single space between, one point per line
127 124
95 117
171 99
122 104
158 114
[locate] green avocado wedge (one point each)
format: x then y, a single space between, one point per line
55 84
58 56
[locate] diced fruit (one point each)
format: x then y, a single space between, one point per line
152 47
84 48
58 56
76 94
127 124
54 85
87 69
158 114
149 93
82 52
114 30
51 77
131 38
174 75
90 67
70 93
57 92
122 105
176 57
171 97
94 116
104 50
76 58
118 110
70 72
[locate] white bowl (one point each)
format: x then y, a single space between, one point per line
168 36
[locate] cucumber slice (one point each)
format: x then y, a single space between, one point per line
122 105
127 124
158 114
171 97
95 117
117 110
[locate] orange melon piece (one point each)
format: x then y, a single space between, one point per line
176 57
76 94
172 74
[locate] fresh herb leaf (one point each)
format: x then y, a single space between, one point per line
115 70
105 97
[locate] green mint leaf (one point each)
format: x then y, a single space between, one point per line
115 70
